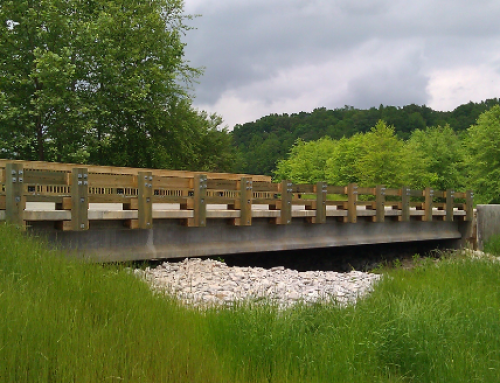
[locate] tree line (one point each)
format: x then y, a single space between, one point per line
438 157
262 143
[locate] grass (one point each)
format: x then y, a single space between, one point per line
492 245
67 321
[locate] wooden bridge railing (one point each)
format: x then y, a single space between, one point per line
73 187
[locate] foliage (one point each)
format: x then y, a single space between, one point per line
307 161
262 143
100 82
483 145
342 167
380 162
435 157
432 157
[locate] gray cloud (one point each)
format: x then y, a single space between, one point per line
290 54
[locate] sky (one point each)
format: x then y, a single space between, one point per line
287 56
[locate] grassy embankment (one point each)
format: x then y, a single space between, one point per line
67 321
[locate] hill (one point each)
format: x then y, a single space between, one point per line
260 144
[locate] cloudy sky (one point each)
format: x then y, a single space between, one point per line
287 56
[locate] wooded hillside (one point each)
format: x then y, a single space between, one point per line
261 144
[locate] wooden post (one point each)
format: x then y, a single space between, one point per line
469 205
352 202
145 200
285 204
405 204
199 202
15 199
429 194
244 204
320 204
449 205
380 203
80 199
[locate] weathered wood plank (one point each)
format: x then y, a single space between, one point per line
319 205
221 200
265 187
343 205
366 191
145 202
79 199
393 192
449 205
264 201
221 185
112 180
305 202
170 199
46 177
44 198
55 166
172 183
416 193
110 198
244 203
405 204
380 203
352 202
429 195
285 203
469 205
2 202
337 190
47 215
199 203
15 199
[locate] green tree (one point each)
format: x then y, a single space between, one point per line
99 81
380 162
343 165
306 162
435 157
37 74
483 145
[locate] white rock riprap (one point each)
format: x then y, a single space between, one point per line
208 282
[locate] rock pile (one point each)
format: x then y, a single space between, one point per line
209 282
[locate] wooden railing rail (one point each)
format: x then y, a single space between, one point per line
73 187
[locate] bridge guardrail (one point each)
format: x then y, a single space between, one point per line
73 187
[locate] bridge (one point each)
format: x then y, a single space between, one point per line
120 214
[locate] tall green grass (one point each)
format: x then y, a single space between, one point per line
492 245
70 321
437 323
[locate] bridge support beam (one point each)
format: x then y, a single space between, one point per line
111 242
